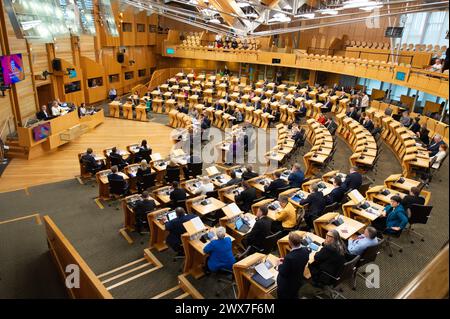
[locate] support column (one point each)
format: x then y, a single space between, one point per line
443 110
312 78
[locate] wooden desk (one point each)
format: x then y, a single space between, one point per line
141 113
158 231
129 217
213 206
114 109
346 230
103 183
127 109
243 271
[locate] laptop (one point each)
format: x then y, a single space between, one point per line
171 215
242 226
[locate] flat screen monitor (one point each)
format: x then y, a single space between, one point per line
276 61
170 51
72 73
12 68
41 131
400 76
394 32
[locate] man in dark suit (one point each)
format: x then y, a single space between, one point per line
368 124
275 185
246 197
353 180
296 177
257 236
43 115
316 204
353 113
176 229
413 198
249 173
178 194
233 181
117 159
337 193
89 161
290 270
114 177
141 209
433 149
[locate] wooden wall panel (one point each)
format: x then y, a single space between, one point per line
39 60
63 49
87 47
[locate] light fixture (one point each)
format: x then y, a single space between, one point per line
370 8
329 11
251 15
351 4
243 4
215 20
287 6
306 15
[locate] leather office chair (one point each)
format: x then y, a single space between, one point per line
172 174
195 169
389 242
270 242
419 214
367 257
146 181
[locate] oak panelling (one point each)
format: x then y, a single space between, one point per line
141 37
63 49
87 47
91 69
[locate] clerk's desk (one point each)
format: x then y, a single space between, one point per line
243 271
128 212
350 226
195 258
393 182
157 228
63 129
284 248
103 183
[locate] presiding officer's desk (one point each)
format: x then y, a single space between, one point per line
157 228
243 270
284 248
128 212
103 183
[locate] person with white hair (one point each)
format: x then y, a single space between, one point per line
433 149
205 187
220 252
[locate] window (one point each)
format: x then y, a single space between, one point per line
370 84
141 73
95 82
72 87
129 75
127 27
140 27
113 78
152 28
425 28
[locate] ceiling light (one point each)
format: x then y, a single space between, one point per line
329 11
371 8
252 15
287 7
306 15
243 4
215 20
351 4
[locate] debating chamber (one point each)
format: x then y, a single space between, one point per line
224 149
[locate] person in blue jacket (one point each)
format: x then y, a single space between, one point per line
296 177
220 252
393 218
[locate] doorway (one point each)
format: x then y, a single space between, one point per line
45 94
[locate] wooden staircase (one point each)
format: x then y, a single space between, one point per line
15 150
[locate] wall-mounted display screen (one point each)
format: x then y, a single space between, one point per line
170 51
72 87
12 68
400 76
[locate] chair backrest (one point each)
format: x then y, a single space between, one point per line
419 214
212 194
195 168
117 187
331 208
270 242
347 270
172 174
370 254
363 188
148 180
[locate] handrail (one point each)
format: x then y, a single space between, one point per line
431 282
4 126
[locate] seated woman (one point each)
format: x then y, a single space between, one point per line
144 152
393 218
142 171
220 252
330 260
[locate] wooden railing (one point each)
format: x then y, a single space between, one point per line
431 282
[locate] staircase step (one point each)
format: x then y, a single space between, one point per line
12 142
13 154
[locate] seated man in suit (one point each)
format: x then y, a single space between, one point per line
249 173
141 209
257 236
353 113
290 269
296 177
415 126
367 123
43 114
316 204
433 149
220 252
115 177
91 164
117 159
245 199
413 198
233 181
358 244
178 194
338 192
353 180
176 229
275 185
286 218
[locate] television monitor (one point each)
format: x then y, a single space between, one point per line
394 32
276 61
400 76
12 68
41 131
72 73
170 51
